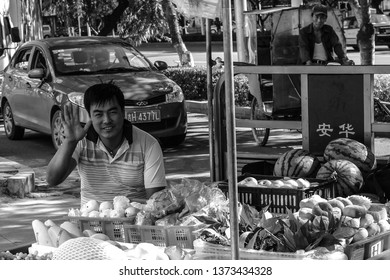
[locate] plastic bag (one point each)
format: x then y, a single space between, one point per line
162 203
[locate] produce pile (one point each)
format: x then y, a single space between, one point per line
186 203
346 160
25 256
120 207
285 182
69 243
322 227
171 206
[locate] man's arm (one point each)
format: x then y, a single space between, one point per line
62 164
304 49
337 46
154 170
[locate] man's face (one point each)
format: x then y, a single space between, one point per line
319 20
107 120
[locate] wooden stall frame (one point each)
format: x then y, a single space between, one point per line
370 127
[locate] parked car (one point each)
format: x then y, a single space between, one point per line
46 31
381 24
45 74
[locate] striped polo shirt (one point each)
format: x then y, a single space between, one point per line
137 165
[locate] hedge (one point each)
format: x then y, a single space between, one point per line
193 82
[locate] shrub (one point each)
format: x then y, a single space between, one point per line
193 82
382 91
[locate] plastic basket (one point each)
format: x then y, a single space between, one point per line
112 227
162 236
369 247
279 198
209 251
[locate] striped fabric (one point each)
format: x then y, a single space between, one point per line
135 167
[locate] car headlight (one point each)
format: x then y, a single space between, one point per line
77 98
176 95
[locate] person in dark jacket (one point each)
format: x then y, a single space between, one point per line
318 41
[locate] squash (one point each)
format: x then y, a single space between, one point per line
72 228
41 233
57 234
353 151
297 163
348 175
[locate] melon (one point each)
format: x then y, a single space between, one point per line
352 150
348 175
297 163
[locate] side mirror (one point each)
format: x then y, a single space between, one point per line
37 73
160 65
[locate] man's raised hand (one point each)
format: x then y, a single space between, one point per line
73 129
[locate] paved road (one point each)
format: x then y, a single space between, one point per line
165 52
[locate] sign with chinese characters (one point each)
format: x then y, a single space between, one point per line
335 109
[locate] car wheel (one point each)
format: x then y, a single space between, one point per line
172 141
57 130
12 131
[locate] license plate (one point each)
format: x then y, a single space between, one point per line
142 116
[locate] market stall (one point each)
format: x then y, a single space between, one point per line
290 215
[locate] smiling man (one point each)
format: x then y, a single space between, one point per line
113 156
318 42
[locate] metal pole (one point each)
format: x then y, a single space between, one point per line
239 7
230 127
210 100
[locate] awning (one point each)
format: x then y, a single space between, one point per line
199 8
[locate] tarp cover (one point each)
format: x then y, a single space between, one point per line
199 8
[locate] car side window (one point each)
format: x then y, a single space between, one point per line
21 60
39 61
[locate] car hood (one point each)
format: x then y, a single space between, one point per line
135 85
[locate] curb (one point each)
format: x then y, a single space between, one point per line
201 107
15 178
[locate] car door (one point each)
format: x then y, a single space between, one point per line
39 94
16 87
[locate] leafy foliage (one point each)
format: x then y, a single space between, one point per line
193 81
382 91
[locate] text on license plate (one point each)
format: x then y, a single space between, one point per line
140 116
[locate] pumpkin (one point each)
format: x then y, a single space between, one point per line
352 150
297 163
348 175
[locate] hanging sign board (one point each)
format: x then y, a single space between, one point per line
335 108
199 8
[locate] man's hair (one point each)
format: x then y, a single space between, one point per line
102 93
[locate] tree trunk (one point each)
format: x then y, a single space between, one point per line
185 56
366 34
110 21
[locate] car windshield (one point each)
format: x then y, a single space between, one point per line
90 59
